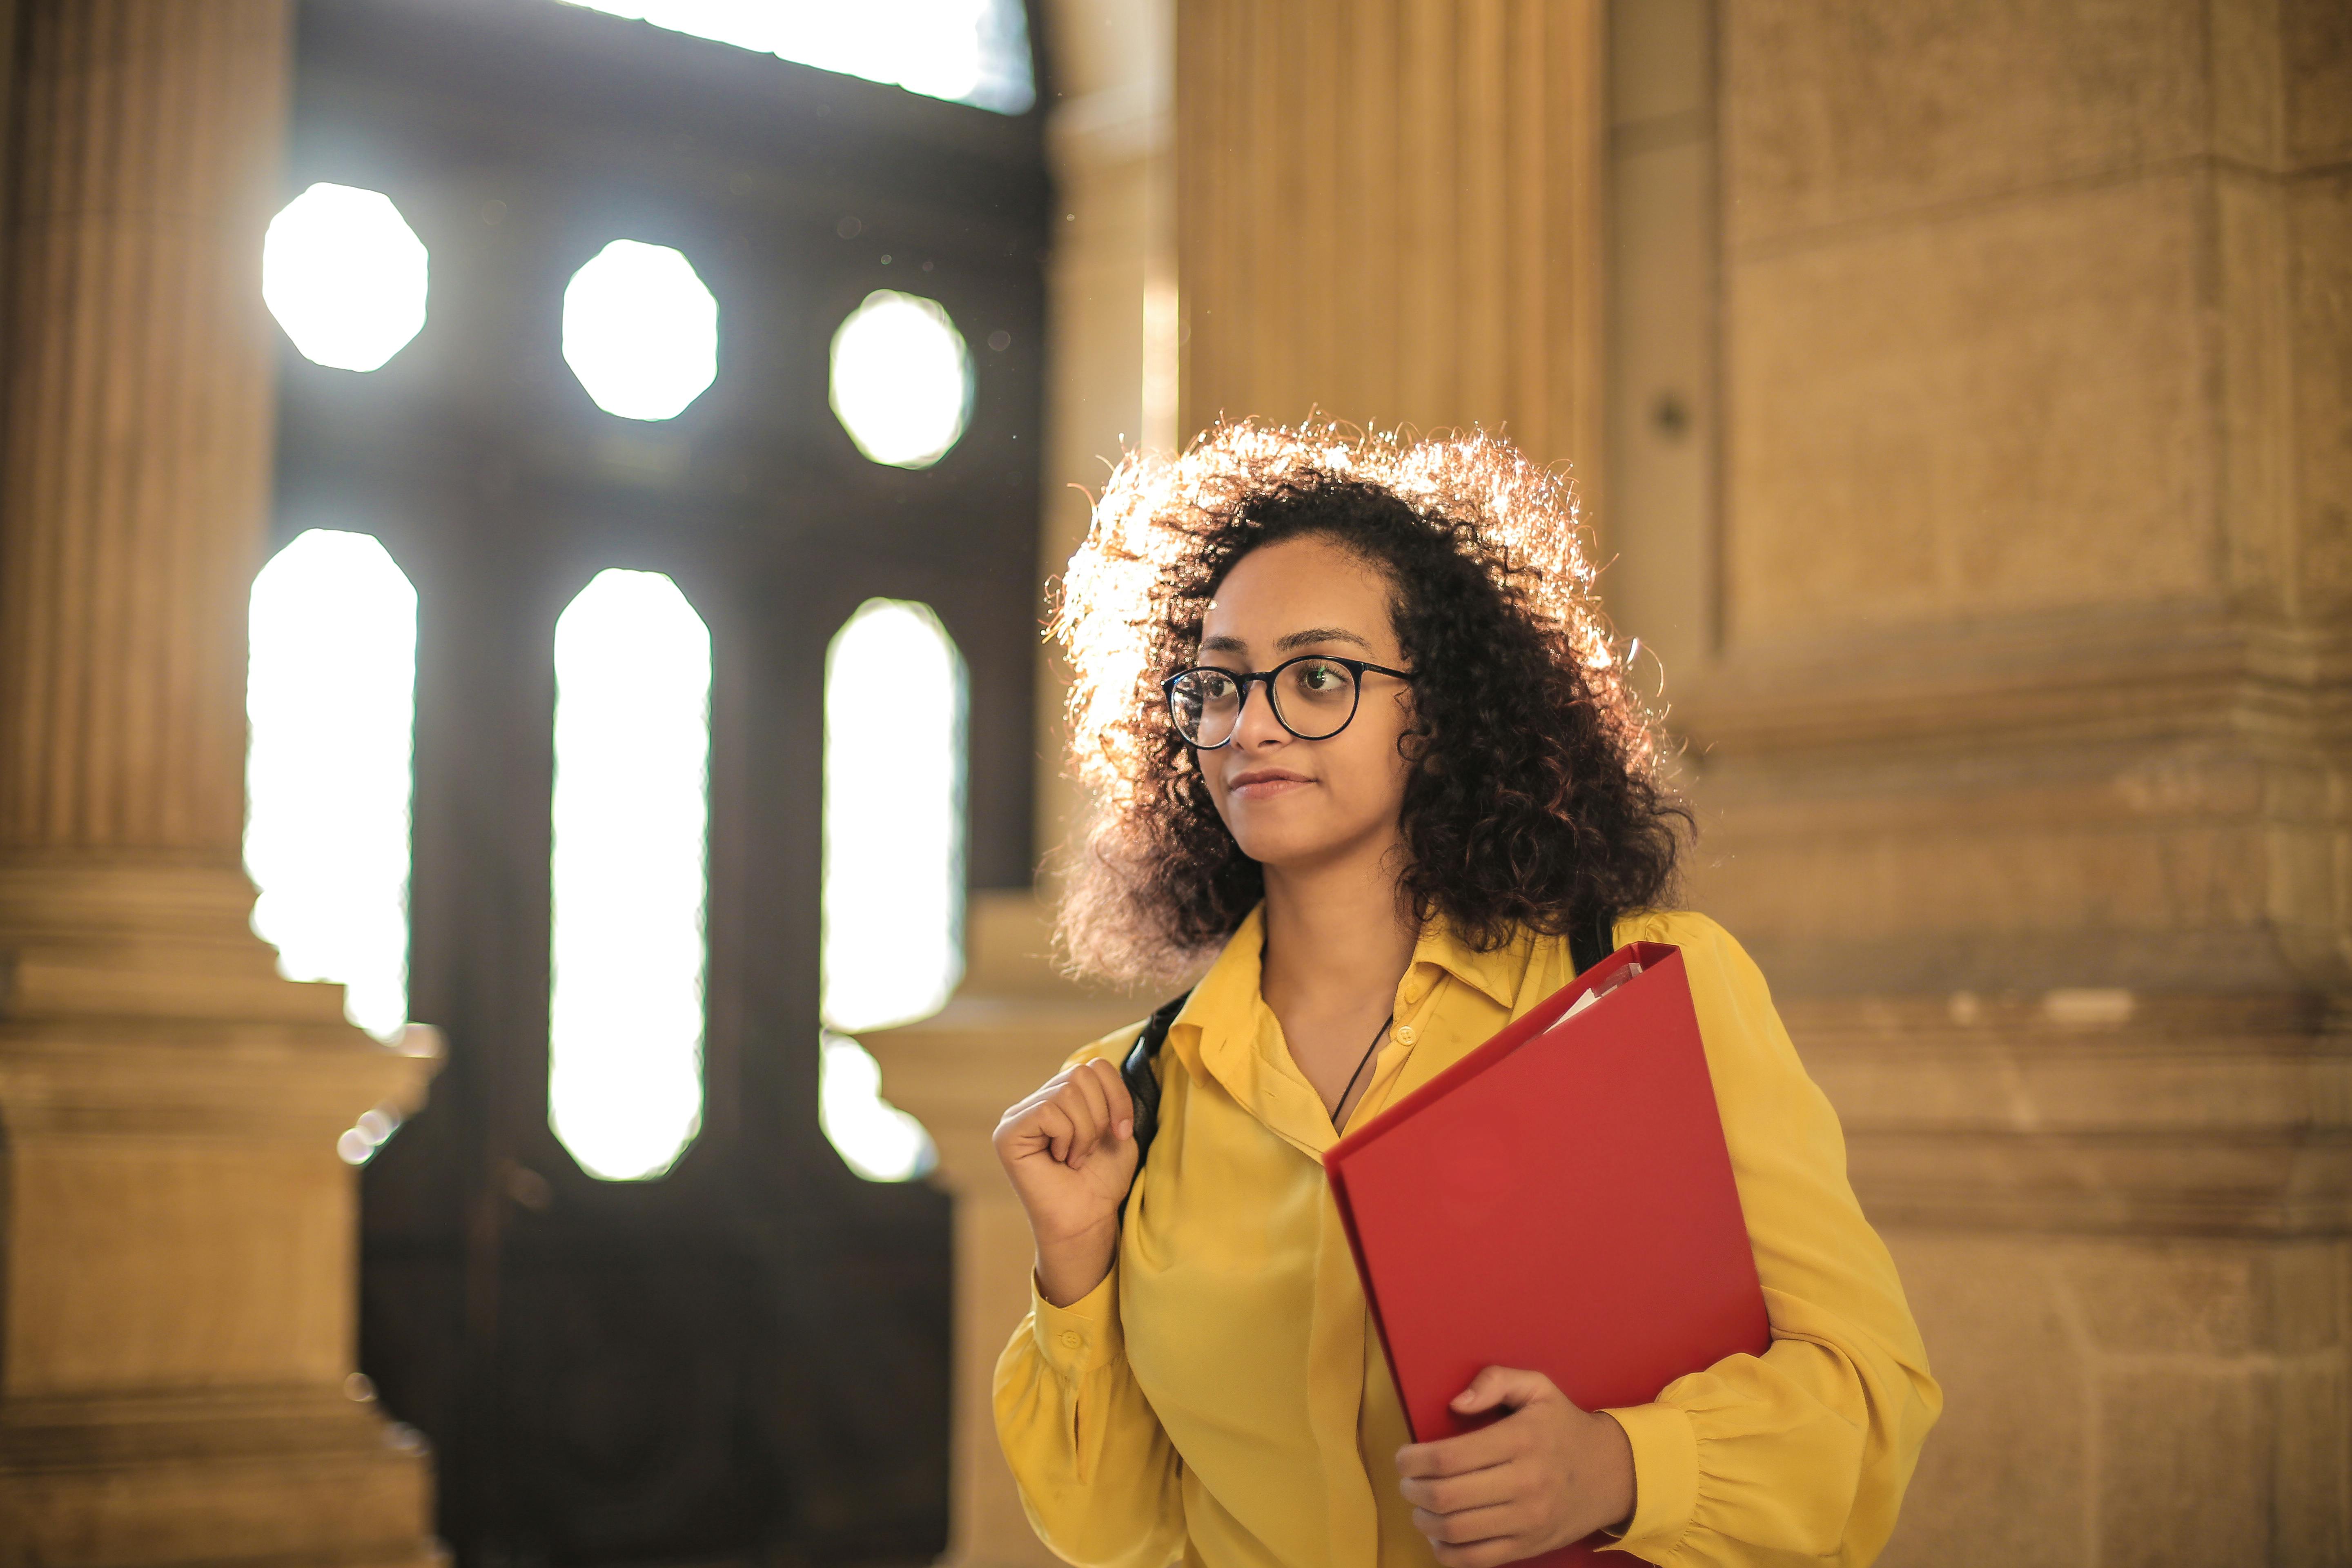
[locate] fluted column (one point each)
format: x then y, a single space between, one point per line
177 1253
1390 210
136 474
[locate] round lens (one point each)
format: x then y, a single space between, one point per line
1317 696
1205 705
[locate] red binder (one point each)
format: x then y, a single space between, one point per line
1561 1199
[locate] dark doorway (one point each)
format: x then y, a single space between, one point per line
746 1359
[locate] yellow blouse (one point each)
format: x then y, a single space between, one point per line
1222 1396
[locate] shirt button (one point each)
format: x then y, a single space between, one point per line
1071 1338
1404 1033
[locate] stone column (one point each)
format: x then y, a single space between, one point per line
1388 211
1008 1030
1998 564
1110 292
177 1256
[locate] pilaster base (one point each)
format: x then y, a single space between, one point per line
178 1253
306 1476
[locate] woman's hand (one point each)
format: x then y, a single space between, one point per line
1070 1151
1544 1475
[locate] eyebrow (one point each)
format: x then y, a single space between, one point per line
1290 644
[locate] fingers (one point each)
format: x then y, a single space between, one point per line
1452 1494
1060 1131
1472 1526
1480 1554
1504 1385
1479 1450
1089 1104
1073 1114
1121 1104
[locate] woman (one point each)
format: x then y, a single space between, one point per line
1356 734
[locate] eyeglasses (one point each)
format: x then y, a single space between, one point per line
1313 696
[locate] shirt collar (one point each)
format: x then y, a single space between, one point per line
1497 974
1231 986
1224 1031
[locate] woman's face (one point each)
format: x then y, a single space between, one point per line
1294 803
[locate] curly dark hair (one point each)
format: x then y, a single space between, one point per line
1536 801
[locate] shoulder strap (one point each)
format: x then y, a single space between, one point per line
1143 1083
1588 944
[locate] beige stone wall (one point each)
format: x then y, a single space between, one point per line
2028 509
1996 577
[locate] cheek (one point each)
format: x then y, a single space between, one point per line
1373 774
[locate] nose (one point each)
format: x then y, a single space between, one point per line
1258 726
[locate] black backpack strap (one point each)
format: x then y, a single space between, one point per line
1143 1084
1590 942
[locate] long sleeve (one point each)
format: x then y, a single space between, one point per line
1099 1480
1801 1455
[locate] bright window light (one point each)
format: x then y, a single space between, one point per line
967 51
330 699
641 330
894 757
631 825
873 1137
345 275
901 379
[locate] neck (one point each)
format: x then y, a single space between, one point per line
1336 931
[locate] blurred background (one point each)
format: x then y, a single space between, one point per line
556 497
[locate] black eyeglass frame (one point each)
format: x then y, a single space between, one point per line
1246 678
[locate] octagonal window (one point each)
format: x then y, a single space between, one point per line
901 379
345 275
641 330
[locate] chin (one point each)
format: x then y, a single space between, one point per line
1279 848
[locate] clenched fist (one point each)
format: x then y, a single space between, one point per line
1070 1151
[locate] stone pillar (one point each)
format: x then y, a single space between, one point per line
1008 1030
1110 294
177 1255
1997 564
1388 212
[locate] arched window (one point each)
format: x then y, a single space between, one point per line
330 694
631 816
893 860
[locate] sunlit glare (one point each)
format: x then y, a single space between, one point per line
641 330
873 1137
330 699
345 275
901 379
894 760
969 51
630 819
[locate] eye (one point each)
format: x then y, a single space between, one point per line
1319 680
1211 686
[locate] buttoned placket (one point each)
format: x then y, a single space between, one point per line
1415 994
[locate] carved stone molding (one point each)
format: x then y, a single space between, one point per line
2096 1111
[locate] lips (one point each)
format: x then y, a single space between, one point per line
1264 783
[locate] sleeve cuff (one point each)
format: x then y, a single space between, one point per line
1666 1478
1083 1336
